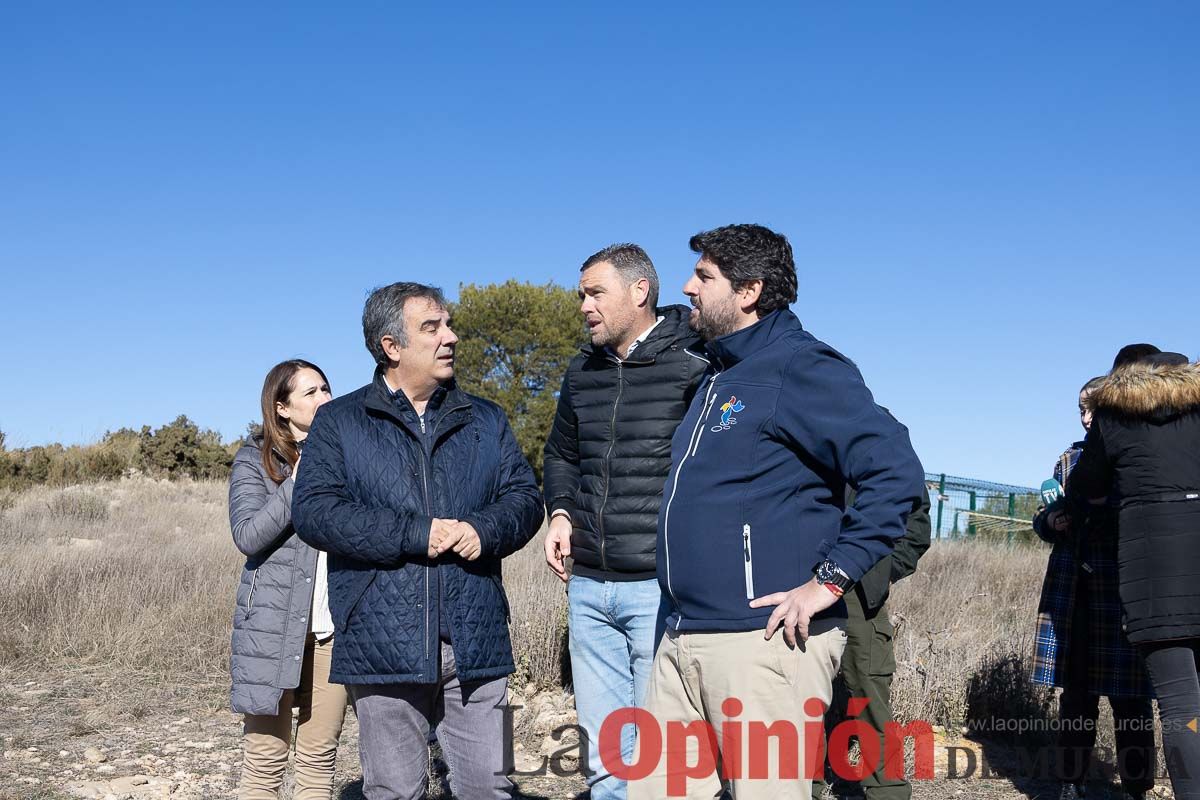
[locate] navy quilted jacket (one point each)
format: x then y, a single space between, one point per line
369 484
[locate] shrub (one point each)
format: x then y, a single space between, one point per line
38 463
76 506
176 450
103 465
1002 690
181 449
66 467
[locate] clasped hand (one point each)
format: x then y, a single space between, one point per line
446 535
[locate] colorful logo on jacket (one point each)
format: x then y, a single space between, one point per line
733 406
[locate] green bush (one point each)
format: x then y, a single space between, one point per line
103 465
7 469
182 449
179 449
38 462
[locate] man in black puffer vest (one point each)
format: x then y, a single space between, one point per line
605 463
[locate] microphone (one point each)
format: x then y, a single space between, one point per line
1051 490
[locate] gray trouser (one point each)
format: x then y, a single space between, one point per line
394 721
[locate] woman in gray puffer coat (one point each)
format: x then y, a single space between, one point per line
282 631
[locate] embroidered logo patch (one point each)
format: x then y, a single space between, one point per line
731 407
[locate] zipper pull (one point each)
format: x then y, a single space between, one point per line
748 561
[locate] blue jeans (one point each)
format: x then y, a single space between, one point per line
614 628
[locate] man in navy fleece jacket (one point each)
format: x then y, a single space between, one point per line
754 535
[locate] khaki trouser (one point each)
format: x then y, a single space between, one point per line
759 746
267 737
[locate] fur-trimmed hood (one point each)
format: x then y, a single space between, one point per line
1149 391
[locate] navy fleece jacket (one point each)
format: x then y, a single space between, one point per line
754 501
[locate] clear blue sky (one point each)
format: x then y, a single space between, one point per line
985 200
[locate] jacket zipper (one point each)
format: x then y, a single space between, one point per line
700 433
426 458
693 443
612 441
253 583
748 558
429 511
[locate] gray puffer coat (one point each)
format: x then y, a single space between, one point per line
274 597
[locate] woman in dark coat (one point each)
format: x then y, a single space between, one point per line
282 631
1144 451
1080 645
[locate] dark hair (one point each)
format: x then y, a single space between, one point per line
747 253
383 314
277 436
631 263
1133 352
1092 384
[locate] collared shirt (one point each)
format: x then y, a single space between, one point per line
636 341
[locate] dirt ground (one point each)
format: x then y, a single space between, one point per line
61 739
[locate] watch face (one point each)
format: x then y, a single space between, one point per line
828 573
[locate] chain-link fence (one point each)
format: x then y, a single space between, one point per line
969 508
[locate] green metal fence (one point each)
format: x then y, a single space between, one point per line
970 508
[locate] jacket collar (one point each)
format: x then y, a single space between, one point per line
1149 391
672 331
735 347
448 407
257 440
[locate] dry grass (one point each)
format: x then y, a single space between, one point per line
965 623
538 602
129 579
136 579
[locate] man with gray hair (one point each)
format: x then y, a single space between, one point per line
417 490
605 462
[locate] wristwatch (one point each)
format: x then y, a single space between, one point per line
831 576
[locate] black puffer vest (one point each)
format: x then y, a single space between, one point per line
610 448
